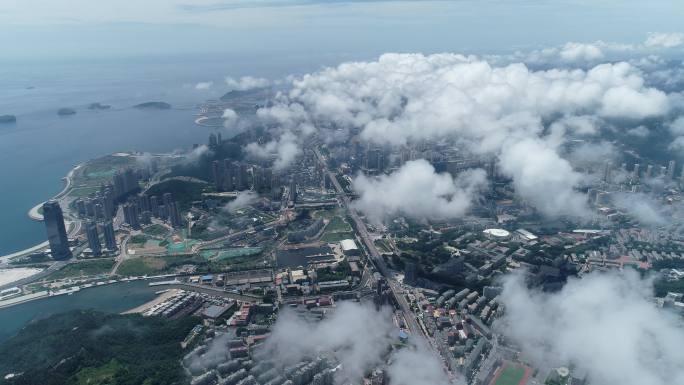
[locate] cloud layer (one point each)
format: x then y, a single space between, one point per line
510 112
417 191
358 337
605 324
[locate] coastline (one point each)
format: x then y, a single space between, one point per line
74 289
35 215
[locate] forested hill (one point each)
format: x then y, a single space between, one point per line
87 347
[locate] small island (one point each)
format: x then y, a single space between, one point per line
153 106
66 111
98 106
8 119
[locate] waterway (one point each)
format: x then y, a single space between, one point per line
114 298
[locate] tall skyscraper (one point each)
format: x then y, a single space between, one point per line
93 238
649 171
109 236
56 231
240 176
131 215
154 205
174 215
293 190
671 170
228 184
257 179
216 173
635 172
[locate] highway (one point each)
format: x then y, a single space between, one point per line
379 263
419 337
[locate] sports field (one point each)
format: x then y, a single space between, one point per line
511 374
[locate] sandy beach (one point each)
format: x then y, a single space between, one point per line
12 275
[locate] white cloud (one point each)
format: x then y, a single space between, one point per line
492 110
641 207
230 118
417 191
626 102
592 155
196 153
285 149
605 324
664 40
543 178
676 128
580 52
246 83
203 85
243 199
413 366
357 336
580 125
356 333
639 131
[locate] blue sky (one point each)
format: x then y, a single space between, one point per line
42 29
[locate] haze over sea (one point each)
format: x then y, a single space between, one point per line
41 148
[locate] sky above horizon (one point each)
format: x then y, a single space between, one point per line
44 29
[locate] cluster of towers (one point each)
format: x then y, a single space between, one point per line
230 176
139 210
57 235
93 234
235 176
101 205
638 172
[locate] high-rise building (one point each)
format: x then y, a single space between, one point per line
241 177
649 172
267 176
154 205
56 231
410 273
257 178
174 215
144 201
146 217
374 159
228 184
216 173
130 180
635 172
293 190
671 170
109 236
131 215
80 206
108 199
118 182
90 207
93 238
